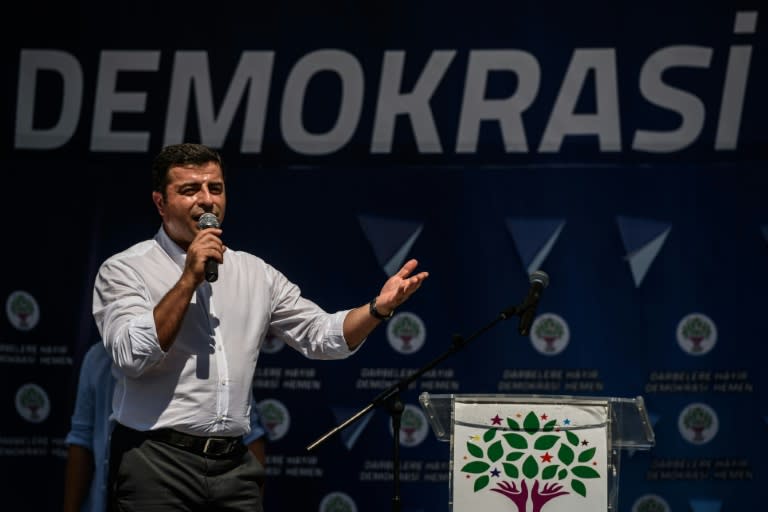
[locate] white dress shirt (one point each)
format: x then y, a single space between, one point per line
202 385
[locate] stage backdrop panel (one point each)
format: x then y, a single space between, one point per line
621 149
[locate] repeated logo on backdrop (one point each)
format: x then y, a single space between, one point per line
650 503
272 345
698 423
414 426
550 334
32 403
696 334
337 502
406 332
22 310
275 418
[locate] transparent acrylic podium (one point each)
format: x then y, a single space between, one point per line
574 447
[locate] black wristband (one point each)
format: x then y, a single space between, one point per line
375 312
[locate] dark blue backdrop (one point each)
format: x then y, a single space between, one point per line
633 241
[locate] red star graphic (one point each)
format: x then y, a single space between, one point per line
546 457
496 420
544 417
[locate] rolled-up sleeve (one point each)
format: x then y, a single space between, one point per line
123 312
304 325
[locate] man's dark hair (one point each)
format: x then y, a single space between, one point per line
180 155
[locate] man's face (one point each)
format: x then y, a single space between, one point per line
191 191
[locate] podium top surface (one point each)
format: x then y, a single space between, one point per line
630 426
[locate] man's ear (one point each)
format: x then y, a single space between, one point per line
157 198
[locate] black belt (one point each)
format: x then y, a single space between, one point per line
208 446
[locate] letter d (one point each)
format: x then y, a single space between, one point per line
32 61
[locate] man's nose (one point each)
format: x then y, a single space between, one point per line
204 196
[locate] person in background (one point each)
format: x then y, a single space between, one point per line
85 479
88 438
185 336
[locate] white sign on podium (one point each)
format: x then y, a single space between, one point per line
534 453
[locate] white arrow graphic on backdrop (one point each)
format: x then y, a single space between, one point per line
391 239
350 434
653 418
705 505
643 239
534 239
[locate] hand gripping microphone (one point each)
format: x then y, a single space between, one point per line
539 280
209 220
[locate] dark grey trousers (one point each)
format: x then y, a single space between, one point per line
146 475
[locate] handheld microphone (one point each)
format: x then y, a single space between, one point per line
209 220
539 280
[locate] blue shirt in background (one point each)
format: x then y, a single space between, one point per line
91 426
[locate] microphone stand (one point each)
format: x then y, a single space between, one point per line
390 397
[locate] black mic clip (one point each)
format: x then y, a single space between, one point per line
527 310
539 280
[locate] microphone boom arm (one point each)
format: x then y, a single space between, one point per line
457 343
390 397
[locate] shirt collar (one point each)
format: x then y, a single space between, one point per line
177 254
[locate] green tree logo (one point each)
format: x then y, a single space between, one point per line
406 332
550 334
411 423
275 417
406 329
549 330
696 330
414 426
542 462
22 310
650 503
698 423
32 403
696 334
337 502
32 400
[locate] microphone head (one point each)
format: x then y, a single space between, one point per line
540 277
208 220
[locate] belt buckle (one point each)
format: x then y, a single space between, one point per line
214 446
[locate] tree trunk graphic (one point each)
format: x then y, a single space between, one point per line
696 340
518 496
548 492
539 498
23 319
549 343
